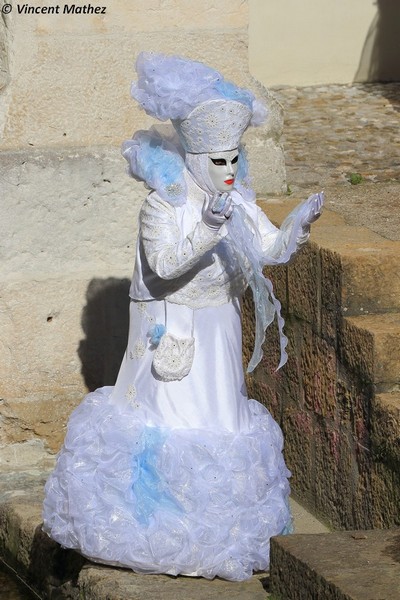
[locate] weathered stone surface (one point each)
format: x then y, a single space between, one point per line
371 280
329 382
304 288
334 130
351 565
77 337
319 373
298 431
98 583
385 429
331 293
385 331
291 376
356 350
67 210
385 495
333 474
370 268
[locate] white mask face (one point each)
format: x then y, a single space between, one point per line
222 169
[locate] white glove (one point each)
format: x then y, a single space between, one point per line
217 209
315 204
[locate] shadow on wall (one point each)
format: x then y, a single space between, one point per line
105 322
380 58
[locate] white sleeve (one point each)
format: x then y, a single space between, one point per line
170 254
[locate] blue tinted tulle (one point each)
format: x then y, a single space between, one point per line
230 91
149 486
157 162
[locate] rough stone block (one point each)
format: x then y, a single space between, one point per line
385 430
370 267
248 327
334 473
72 210
267 369
76 340
290 384
356 350
371 279
383 334
331 292
385 495
304 285
298 431
265 394
319 373
362 499
22 420
351 565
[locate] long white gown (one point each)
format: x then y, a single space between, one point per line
184 476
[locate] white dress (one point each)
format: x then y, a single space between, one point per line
183 476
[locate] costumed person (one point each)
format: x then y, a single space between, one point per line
174 470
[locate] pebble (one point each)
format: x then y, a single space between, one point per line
331 131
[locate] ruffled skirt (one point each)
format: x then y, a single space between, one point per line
180 501
183 477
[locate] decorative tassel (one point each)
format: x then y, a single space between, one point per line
155 333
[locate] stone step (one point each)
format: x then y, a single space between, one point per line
368 263
358 565
371 347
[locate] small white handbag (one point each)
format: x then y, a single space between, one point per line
173 357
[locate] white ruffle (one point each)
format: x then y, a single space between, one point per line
177 501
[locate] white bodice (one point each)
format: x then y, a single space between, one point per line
182 260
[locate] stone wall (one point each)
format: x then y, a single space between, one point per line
68 209
322 42
69 74
337 397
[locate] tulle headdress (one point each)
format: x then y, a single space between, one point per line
209 113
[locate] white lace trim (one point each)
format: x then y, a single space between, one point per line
138 350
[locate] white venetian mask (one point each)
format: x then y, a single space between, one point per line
222 169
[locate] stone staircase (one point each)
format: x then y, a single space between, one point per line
339 405
341 296
53 573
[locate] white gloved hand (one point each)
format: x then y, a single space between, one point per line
217 210
315 204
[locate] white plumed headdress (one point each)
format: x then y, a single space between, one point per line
209 113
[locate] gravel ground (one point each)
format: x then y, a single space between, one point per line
345 139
